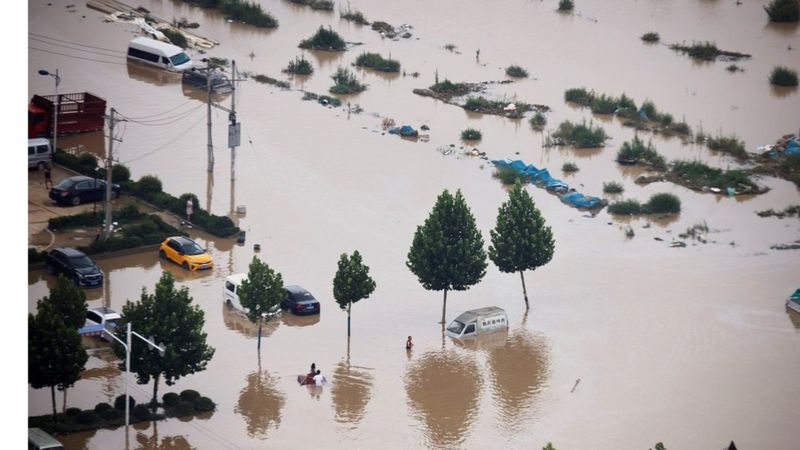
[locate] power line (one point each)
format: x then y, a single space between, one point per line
76 48
160 113
177 136
76 57
76 43
165 120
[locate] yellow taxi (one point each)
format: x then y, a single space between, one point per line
186 253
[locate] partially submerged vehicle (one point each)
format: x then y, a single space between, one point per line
230 295
200 78
793 302
476 322
159 54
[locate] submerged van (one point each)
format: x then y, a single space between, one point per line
160 54
38 439
230 294
476 322
39 153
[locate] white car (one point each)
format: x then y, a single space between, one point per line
107 318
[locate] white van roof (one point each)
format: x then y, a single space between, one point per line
236 278
143 43
468 316
38 141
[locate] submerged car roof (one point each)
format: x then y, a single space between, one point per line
70 252
468 316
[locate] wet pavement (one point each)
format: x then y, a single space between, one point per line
689 346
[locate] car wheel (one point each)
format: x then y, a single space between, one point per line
76 200
185 265
162 254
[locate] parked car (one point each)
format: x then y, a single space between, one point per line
39 153
300 301
198 78
39 439
186 253
106 317
80 189
230 295
75 265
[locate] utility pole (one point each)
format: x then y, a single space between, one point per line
233 128
109 165
208 122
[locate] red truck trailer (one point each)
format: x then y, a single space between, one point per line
77 113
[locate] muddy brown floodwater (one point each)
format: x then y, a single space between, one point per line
690 346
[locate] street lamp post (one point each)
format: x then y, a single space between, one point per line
127 346
56 106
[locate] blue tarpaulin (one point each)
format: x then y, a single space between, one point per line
405 130
542 178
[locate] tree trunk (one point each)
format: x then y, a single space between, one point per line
53 396
524 291
259 333
349 305
154 401
444 306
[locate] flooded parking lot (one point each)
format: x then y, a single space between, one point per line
628 341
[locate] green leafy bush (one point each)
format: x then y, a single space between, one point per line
72 411
516 71
120 173
569 167
354 16
625 207
170 399
242 10
345 82
538 121
613 187
189 395
184 408
119 402
636 151
783 10
204 404
565 5
581 135
663 203
324 39
176 37
299 66
100 407
471 134
651 37
110 414
578 95
509 176
450 88
86 417
378 62
141 412
783 76
730 145
87 160
603 105
148 184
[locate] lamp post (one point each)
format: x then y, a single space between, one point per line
127 346
55 108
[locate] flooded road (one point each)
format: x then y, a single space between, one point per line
689 346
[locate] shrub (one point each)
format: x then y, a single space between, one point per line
450 88
649 109
110 414
148 184
120 173
269 80
651 37
87 160
170 399
245 11
471 134
730 145
681 128
119 402
86 417
508 176
636 151
613 187
733 68
204 404
565 5
345 82
783 76
538 121
189 395
35 256
141 412
569 167
377 62
299 66
783 10
626 102
100 407
578 95
72 412
184 408
322 5
603 105
324 40
663 203
580 135
516 71
176 37
625 207
696 174
354 16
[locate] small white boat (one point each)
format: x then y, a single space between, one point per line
793 302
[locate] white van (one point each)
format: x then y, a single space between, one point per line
230 294
38 439
160 54
39 153
479 321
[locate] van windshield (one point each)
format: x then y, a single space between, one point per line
180 58
455 327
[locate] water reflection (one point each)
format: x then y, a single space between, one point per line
350 392
237 321
151 75
443 389
325 59
292 320
153 442
260 403
94 143
485 342
782 91
519 370
794 317
182 275
200 94
77 441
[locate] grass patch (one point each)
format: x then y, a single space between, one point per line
269 80
613 187
516 71
345 82
471 134
730 145
565 5
696 175
625 207
509 176
538 121
783 10
578 95
176 37
449 88
483 105
789 211
707 51
299 66
581 135
662 203
783 76
324 39
733 68
242 10
635 152
378 62
354 16
603 105
319 5
650 37
569 167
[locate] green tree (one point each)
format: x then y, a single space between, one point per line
549 446
69 301
168 318
521 240
55 354
447 250
260 291
351 283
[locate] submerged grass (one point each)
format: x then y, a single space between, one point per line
783 76
661 203
707 51
635 152
516 71
727 144
354 15
613 187
581 135
509 176
324 39
345 82
242 10
471 134
783 10
299 66
378 62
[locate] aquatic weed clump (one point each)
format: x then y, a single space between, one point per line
783 10
650 37
731 145
509 176
324 39
471 134
707 51
345 82
565 5
635 151
377 62
613 187
299 66
538 121
516 71
354 15
625 207
696 175
581 135
783 76
569 167
244 11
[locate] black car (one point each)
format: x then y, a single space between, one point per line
300 301
220 84
75 265
81 189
